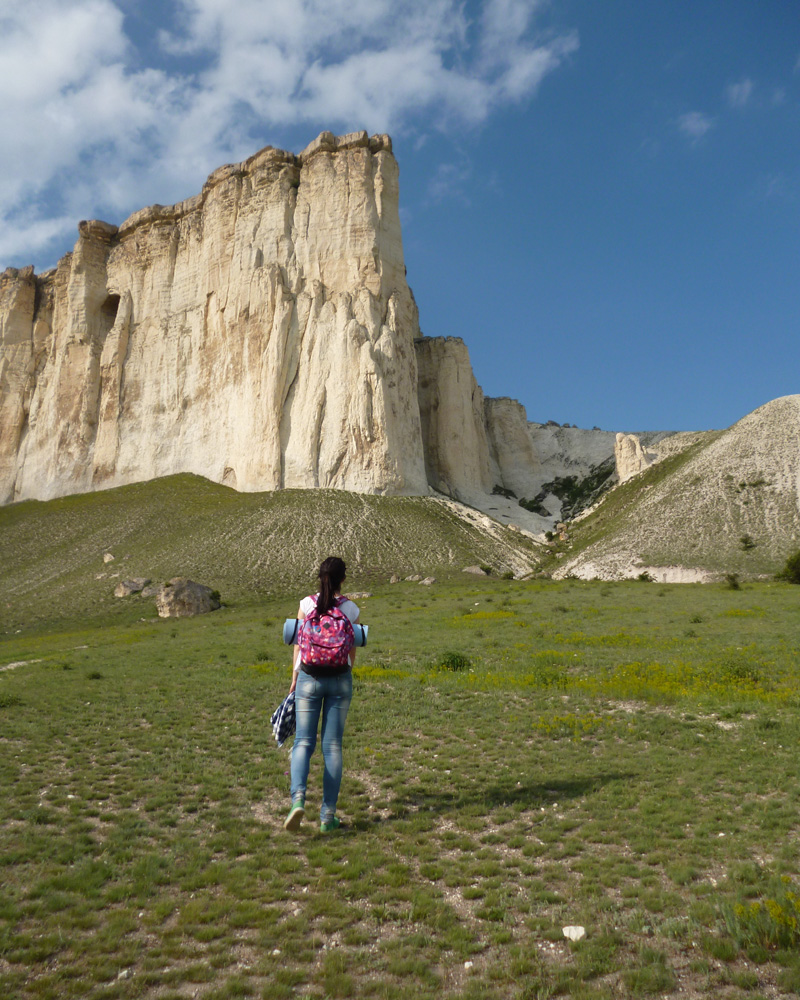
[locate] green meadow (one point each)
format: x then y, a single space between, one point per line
519 757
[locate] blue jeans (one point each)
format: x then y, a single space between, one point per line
331 696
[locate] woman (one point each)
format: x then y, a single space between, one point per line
325 690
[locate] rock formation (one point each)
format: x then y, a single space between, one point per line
630 456
472 443
451 408
512 448
260 334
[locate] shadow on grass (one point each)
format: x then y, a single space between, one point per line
472 800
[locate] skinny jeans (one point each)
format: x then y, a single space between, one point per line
329 697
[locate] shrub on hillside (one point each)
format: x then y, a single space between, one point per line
454 661
791 571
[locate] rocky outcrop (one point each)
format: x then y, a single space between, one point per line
473 444
260 334
512 450
451 405
630 457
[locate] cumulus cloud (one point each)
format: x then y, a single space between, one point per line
94 124
695 124
739 94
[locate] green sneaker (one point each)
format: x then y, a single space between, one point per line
295 817
333 824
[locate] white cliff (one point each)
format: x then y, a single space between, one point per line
451 405
514 454
630 456
263 335
260 334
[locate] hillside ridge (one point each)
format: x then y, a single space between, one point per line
246 545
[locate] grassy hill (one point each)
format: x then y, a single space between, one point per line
727 504
246 545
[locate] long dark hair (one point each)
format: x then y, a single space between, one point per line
331 575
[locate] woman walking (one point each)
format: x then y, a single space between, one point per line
322 688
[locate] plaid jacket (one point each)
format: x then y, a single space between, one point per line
283 721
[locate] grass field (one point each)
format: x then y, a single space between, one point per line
519 757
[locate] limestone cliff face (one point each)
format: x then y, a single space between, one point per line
512 448
260 334
451 406
474 444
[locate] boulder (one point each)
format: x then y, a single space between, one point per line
476 570
182 598
427 581
127 587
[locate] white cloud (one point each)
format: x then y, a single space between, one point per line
779 187
739 94
93 125
695 124
449 181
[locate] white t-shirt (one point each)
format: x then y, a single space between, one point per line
347 607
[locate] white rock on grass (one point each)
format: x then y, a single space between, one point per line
574 932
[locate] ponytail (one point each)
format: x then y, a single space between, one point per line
331 577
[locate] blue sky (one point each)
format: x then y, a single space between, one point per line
601 199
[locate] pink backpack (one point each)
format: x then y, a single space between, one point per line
325 640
